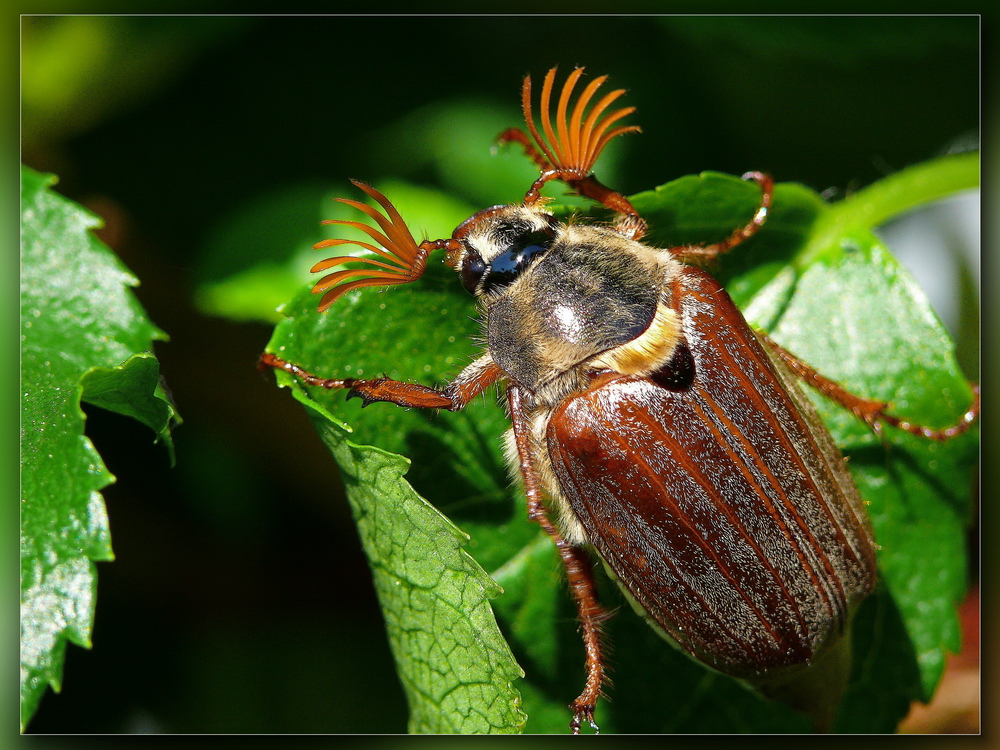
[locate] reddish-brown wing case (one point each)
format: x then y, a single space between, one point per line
719 503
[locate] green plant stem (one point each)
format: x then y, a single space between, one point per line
892 196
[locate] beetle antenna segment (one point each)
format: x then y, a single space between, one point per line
402 259
569 149
572 145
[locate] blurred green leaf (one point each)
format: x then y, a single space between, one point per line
83 335
460 157
836 40
245 269
835 298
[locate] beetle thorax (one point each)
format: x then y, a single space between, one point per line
591 291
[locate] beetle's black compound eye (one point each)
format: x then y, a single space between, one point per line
472 270
506 267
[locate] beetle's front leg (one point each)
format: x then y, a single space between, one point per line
702 253
472 381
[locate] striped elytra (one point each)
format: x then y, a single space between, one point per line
722 508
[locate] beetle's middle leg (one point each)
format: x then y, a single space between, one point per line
472 381
574 560
708 252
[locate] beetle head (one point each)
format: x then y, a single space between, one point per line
495 245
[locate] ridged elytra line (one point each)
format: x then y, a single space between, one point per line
678 576
695 471
726 441
765 371
816 450
760 403
836 605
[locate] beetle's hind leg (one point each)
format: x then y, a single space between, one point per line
871 411
576 563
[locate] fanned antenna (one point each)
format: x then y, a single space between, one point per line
400 259
573 144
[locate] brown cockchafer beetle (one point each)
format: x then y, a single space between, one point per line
650 423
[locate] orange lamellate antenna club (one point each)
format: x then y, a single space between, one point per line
574 144
402 259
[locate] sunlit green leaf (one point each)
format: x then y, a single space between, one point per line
83 336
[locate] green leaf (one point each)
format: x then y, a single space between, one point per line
83 335
825 287
455 666
896 351
457 670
